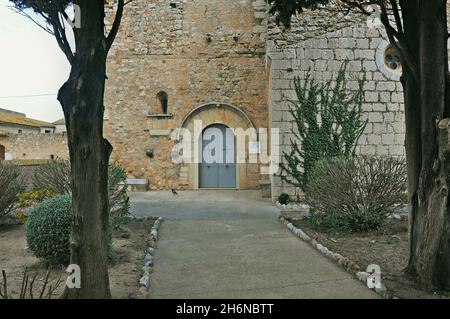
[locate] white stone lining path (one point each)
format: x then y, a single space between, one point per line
148 259
345 262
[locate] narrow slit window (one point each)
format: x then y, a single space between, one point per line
163 100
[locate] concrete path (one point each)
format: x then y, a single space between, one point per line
229 244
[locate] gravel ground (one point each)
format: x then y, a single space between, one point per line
124 271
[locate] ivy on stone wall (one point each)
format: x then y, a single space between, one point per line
327 123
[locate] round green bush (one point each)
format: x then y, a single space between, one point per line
48 230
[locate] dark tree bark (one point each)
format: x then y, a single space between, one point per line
411 88
82 100
430 254
420 34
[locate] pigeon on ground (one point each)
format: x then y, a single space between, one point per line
174 192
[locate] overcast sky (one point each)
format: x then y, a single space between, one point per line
31 63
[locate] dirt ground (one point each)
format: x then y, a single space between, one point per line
387 248
124 270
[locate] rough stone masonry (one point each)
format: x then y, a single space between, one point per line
320 42
201 55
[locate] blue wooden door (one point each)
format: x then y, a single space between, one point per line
217 167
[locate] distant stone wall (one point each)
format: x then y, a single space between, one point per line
34 146
14 129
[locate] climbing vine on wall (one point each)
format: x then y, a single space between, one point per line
327 123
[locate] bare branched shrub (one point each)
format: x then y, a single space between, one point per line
55 177
356 193
11 183
28 289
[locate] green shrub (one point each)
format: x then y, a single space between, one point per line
328 123
356 194
11 183
33 197
47 230
119 202
55 177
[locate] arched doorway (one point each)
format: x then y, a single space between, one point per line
217 167
2 153
208 114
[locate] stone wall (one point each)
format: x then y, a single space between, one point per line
198 52
16 129
34 146
322 42
312 24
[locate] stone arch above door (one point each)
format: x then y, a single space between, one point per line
214 113
217 113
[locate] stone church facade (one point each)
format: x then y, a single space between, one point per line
225 64
177 62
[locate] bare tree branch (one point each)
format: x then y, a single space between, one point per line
116 25
51 11
396 36
398 20
26 15
59 29
397 39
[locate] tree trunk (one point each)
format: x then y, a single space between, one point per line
413 141
82 100
430 254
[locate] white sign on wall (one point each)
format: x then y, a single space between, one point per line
253 147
